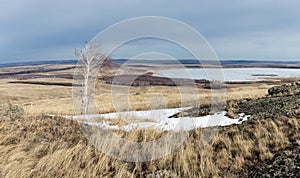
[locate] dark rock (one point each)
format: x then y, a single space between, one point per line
284 164
285 90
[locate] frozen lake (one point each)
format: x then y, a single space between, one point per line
229 74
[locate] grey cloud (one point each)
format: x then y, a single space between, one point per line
236 29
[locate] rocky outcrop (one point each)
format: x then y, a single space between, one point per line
284 164
271 107
285 90
282 101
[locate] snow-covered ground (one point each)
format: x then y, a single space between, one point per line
159 119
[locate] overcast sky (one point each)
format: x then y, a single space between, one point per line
236 29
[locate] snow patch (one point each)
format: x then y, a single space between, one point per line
159 119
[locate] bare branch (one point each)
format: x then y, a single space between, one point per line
90 59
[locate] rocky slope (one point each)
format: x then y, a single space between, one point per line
281 100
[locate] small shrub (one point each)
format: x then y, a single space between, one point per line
9 111
214 85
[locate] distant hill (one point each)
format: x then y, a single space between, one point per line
190 62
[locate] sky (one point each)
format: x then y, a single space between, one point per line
236 29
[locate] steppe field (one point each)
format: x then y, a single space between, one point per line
36 140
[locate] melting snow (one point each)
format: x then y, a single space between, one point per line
159 119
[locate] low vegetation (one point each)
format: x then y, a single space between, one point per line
10 112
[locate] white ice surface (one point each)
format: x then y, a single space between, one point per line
229 74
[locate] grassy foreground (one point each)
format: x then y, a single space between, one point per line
42 146
56 147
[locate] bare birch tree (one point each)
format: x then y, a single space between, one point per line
90 59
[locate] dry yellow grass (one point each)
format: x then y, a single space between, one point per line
37 146
37 99
56 147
